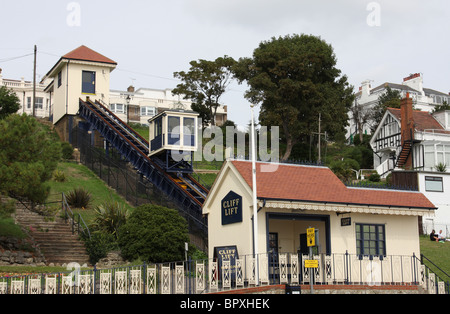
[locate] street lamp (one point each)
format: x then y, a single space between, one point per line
255 201
128 99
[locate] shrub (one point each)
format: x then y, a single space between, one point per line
374 177
79 198
153 234
59 176
66 150
109 217
99 245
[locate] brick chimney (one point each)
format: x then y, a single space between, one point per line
407 120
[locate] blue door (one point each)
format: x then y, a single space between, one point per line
88 82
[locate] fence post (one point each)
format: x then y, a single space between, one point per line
346 267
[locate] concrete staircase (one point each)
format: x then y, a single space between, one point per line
53 237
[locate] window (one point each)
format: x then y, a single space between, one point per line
39 102
189 131
59 79
117 108
28 102
88 82
148 111
434 184
174 131
370 239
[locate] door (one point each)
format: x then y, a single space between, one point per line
88 82
303 244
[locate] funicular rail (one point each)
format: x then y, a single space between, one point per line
143 145
134 149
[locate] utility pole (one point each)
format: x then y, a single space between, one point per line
318 133
34 82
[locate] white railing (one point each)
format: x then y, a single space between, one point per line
209 276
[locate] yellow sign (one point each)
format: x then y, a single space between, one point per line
311 264
311 236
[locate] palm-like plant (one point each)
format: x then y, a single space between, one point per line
109 217
441 167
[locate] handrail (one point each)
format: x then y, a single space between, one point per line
69 213
421 260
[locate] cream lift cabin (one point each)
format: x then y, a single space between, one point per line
173 137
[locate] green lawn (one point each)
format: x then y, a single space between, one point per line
81 176
438 253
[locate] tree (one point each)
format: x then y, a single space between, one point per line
390 99
295 78
154 234
444 106
204 84
361 116
28 157
9 102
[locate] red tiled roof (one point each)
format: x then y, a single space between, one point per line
320 184
423 120
87 54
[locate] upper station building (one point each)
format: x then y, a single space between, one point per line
78 74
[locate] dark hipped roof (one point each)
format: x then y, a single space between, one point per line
320 184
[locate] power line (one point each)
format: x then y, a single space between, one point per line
15 58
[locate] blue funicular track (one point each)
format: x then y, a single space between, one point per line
181 188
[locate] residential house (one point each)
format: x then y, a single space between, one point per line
414 146
24 91
138 106
424 99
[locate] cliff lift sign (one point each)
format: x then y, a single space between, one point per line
231 206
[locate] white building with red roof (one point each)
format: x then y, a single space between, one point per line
80 73
293 198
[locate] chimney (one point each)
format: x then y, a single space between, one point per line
365 88
407 120
130 89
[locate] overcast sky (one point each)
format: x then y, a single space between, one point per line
382 40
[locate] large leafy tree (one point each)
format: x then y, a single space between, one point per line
295 79
204 84
9 102
28 157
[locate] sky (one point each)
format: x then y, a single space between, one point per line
383 41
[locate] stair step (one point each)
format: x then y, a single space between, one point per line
54 237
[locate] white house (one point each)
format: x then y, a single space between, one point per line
140 105
24 91
424 99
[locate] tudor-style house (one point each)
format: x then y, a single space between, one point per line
414 146
411 139
424 99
